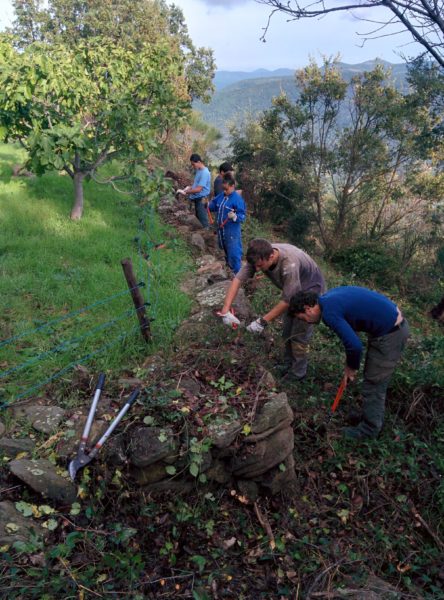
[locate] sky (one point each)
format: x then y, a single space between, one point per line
232 28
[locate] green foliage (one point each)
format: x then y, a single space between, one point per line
124 23
369 262
73 109
57 266
347 154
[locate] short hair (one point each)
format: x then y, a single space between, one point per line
300 300
195 158
229 178
258 249
225 167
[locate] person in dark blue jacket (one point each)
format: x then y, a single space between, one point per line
348 310
224 168
230 209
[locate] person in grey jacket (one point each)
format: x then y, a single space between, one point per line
291 270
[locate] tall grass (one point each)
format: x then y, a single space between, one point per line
51 266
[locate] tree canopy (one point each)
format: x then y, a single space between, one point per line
73 109
128 23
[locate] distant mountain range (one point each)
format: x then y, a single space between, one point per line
242 94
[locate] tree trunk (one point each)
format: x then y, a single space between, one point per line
77 208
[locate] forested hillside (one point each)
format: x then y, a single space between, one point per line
241 95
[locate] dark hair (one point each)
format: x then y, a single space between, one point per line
229 178
258 249
300 300
195 158
225 167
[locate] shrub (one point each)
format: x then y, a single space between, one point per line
370 262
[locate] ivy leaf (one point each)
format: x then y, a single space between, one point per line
50 524
170 469
24 508
75 509
194 469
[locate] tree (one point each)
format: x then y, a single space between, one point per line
423 19
128 23
351 152
74 109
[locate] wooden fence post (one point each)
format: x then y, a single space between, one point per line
138 300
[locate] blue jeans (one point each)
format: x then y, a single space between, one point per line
201 211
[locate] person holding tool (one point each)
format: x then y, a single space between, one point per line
291 270
200 190
347 310
230 209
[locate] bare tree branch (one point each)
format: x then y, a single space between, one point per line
423 19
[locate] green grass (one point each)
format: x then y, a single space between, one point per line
51 266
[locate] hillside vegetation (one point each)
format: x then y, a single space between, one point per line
240 96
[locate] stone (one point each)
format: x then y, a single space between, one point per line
12 447
22 527
224 434
2 429
194 284
279 479
214 296
256 459
218 472
189 220
151 474
150 445
42 477
198 241
273 412
44 418
69 444
115 451
248 488
207 262
266 380
190 385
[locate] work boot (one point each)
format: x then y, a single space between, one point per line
354 416
291 377
360 432
282 369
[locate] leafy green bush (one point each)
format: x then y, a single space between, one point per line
298 227
370 262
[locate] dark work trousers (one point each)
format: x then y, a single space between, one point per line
297 335
200 207
383 354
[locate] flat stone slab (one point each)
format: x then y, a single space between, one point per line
12 447
42 477
14 527
44 418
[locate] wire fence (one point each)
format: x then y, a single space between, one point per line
43 333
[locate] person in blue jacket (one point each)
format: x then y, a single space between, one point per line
200 190
229 207
348 310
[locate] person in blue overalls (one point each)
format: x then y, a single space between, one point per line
230 209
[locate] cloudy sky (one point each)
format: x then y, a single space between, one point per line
233 29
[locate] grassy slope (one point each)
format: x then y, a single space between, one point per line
51 266
352 515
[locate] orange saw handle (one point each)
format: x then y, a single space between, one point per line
339 393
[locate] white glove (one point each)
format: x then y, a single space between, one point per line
229 319
232 216
255 327
181 192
